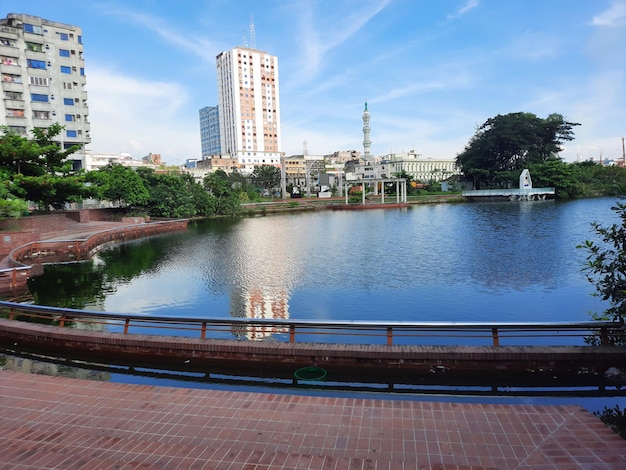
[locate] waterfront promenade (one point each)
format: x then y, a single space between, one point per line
54 422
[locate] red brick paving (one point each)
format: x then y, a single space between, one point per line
54 422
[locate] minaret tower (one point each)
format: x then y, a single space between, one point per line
367 143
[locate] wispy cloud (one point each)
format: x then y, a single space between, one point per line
614 16
191 43
319 35
469 5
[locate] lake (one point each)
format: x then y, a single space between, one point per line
443 262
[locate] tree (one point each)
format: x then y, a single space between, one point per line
169 195
38 168
266 177
221 187
558 175
606 265
506 144
119 183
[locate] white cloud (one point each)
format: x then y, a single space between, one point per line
140 116
469 5
191 43
319 35
614 16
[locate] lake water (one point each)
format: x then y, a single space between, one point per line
445 262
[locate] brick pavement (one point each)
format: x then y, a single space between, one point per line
54 422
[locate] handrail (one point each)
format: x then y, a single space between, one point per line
390 330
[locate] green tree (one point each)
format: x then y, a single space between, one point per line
606 265
39 170
506 144
556 174
221 187
119 183
169 195
266 177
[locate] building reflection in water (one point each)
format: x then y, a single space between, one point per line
259 303
269 265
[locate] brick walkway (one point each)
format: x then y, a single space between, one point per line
53 422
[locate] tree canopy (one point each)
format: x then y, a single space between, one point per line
119 183
266 177
506 144
37 169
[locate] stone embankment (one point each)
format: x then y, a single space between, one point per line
67 236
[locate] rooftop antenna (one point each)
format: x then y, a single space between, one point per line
252 34
245 41
304 148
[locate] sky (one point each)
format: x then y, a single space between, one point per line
431 72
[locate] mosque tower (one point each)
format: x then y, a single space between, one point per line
367 143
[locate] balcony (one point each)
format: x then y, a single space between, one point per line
12 86
13 104
12 69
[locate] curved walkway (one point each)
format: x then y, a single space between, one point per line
54 422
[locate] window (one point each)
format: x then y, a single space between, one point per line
67 85
8 77
70 133
17 113
33 46
41 114
39 97
64 37
36 64
13 95
64 52
8 60
66 69
40 81
5 42
69 118
80 39
31 28
82 71
68 101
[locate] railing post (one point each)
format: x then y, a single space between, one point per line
495 337
389 336
14 278
203 330
62 321
126 325
604 336
11 314
292 333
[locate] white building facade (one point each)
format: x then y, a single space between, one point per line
249 107
43 78
420 168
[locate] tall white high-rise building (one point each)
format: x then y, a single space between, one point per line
43 78
249 107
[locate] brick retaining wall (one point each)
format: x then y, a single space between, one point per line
408 363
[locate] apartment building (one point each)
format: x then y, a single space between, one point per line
249 107
43 78
210 131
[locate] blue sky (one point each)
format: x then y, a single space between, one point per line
431 71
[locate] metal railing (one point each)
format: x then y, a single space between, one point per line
388 333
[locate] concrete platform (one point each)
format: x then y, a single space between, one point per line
54 422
